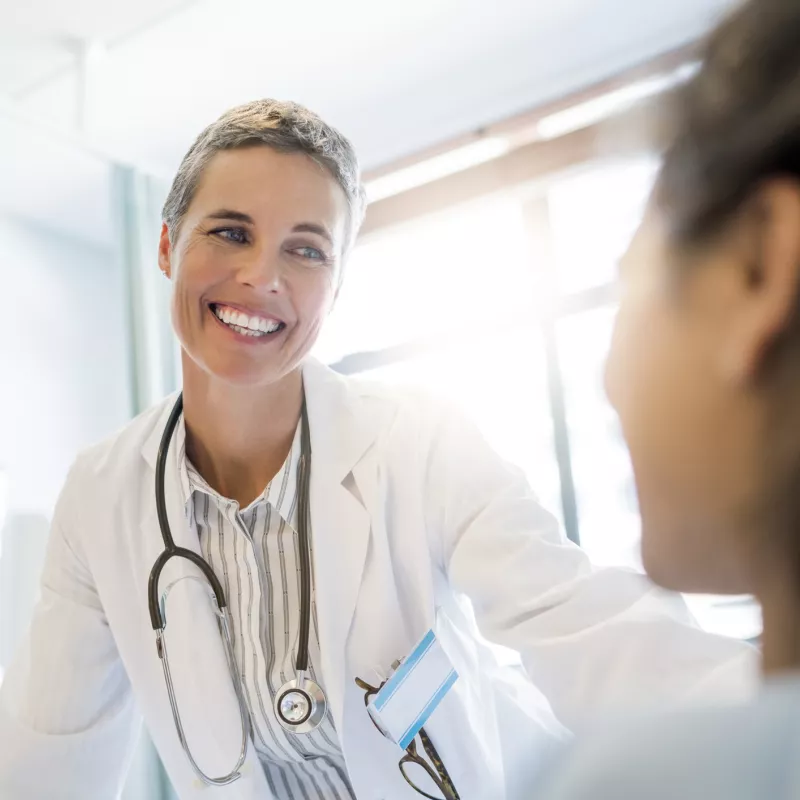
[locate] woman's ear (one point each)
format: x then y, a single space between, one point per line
165 252
769 283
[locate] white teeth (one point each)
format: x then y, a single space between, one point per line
242 323
224 314
246 331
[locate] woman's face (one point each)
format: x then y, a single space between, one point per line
704 407
255 263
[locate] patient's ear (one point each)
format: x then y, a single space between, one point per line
768 277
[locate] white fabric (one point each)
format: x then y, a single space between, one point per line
745 752
254 553
413 517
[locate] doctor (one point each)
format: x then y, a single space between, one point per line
335 522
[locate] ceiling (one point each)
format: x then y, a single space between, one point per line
39 39
395 77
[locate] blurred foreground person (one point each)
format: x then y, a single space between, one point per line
705 375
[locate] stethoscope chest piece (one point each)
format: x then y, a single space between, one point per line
300 705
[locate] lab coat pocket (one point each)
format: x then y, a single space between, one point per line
463 728
505 727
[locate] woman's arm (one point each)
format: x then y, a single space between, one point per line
589 638
67 718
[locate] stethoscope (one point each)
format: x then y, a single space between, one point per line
300 705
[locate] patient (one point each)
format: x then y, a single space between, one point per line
705 375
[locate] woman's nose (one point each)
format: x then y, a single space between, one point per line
263 271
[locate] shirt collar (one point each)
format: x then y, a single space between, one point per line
280 492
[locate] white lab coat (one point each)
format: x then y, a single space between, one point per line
412 513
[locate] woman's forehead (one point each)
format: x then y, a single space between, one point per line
266 180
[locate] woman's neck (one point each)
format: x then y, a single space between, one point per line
238 437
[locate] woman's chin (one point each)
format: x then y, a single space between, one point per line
245 371
688 571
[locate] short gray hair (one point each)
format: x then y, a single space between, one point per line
283 126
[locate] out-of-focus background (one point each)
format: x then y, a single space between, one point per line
508 148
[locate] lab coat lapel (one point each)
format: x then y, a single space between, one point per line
344 485
205 693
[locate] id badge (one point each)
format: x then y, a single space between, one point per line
413 692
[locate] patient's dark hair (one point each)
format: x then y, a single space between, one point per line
736 122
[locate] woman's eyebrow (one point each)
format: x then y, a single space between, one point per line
313 227
227 213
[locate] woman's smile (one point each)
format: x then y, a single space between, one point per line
246 325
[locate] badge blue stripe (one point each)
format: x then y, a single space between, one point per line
397 680
429 708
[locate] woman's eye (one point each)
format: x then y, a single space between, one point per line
311 253
234 235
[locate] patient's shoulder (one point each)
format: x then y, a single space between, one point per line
748 752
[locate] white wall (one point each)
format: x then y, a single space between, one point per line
64 383
64 372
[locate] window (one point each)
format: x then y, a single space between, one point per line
448 305
594 212
608 517
603 202
445 277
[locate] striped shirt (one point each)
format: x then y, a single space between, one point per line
254 553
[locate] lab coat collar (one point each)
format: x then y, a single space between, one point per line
343 424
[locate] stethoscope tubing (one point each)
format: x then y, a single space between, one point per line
173 551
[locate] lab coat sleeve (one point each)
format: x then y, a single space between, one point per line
67 718
590 639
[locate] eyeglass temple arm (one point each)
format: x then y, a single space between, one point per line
451 792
